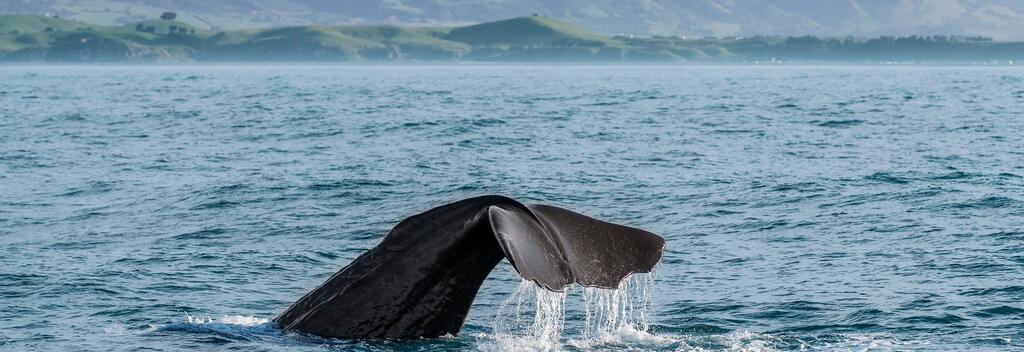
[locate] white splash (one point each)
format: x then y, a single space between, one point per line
530 319
239 320
534 319
116 329
610 312
234 325
746 341
869 342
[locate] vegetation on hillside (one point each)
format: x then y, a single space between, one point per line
845 49
1001 19
533 38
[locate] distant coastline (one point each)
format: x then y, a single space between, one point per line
41 39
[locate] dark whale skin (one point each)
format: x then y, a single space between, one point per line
420 281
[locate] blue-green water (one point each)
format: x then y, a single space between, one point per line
817 208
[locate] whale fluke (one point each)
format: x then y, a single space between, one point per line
422 278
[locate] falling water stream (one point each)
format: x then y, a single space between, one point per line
534 318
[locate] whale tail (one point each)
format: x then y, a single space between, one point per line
422 278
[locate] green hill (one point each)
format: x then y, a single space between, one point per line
535 38
396 35
22 31
409 42
525 31
39 38
288 43
18 24
333 43
165 27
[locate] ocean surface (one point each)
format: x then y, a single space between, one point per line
805 208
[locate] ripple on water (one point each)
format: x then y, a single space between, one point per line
881 213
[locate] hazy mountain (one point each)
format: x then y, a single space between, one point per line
1000 19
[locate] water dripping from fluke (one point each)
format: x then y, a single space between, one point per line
422 278
532 318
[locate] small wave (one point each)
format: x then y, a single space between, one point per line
865 315
215 205
1012 291
737 131
488 122
725 107
202 234
938 319
838 123
77 244
993 202
799 186
999 311
956 175
73 117
887 177
347 184
604 103
719 213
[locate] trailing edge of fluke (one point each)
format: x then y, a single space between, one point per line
422 278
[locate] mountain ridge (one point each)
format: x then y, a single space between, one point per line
523 39
999 19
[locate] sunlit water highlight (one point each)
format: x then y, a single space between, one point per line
805 208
